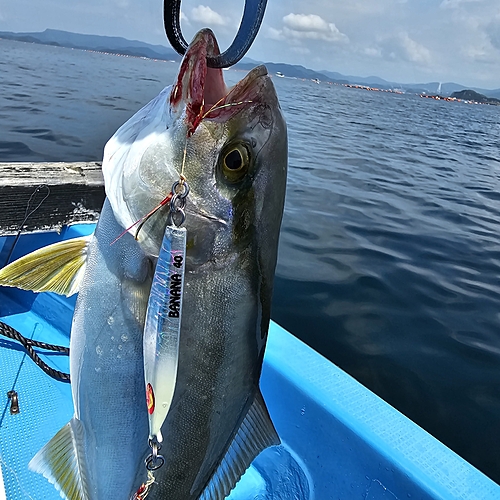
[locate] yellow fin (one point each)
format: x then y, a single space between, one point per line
62 462
55 268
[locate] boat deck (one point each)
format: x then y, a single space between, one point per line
340 440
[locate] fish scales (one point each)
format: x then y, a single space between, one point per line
230 144
217 374
109 316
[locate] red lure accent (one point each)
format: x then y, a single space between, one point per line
139 492
150 399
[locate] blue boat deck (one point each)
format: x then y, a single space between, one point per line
340 441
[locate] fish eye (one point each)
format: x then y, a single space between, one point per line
235 161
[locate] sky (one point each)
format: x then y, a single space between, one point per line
407 41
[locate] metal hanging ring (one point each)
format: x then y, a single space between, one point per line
249 27
177 214
184 186
178 217
153 463
177 203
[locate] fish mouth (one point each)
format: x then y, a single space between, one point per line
202 90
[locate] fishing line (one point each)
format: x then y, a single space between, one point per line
27 215
218 104
184 161
182 178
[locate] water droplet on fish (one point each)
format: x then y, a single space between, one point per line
120 347
97 369
303 410
112 338
124 338
111 320
98 350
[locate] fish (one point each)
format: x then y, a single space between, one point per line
230 146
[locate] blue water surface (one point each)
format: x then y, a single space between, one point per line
389 259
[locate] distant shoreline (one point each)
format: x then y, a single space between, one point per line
141 52
136 48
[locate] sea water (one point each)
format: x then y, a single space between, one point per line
389 260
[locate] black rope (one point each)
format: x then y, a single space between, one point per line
28 344
8 331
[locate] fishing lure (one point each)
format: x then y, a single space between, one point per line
163 323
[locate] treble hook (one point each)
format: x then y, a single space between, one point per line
249 27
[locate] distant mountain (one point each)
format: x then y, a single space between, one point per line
493 93
249 60
361 80
444 89
113 44
470 95
450 87
291 70
119 45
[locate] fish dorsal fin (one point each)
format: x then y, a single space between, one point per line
55 268
62 464
255 434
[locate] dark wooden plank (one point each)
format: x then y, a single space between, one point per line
51 194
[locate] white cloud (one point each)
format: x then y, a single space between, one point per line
185 19
478 27
298 27
313 27
372 52
305 22
274 34
414 51
402 47
208 17
476 53
300 50
122 4
454 4
492 31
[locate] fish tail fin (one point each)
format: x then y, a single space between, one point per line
63 464
55 268
255 434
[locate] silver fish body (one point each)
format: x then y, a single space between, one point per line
99 454
232 222
106 361
231 147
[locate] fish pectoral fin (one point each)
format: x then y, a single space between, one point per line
55 268
61 462
255 434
